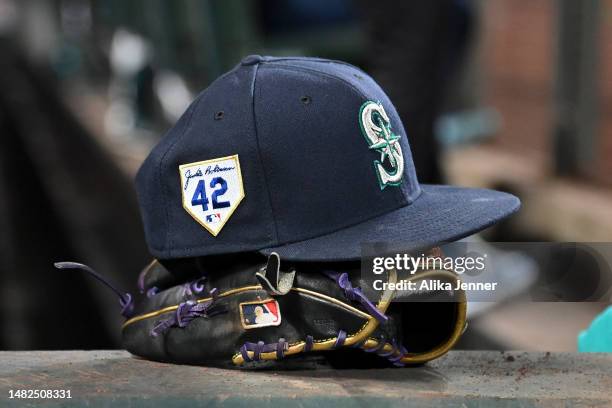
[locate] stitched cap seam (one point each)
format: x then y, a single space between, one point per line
259 157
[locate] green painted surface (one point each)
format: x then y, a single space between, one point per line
598 337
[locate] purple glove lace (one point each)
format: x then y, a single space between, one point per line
261 347
187 311
190 289
355 294
394 356
195 287
152 291
125 299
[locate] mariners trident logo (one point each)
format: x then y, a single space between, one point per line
376 129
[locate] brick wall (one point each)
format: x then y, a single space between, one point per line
518 47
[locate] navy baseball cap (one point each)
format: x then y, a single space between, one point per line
305 157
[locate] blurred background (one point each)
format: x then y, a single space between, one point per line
507 94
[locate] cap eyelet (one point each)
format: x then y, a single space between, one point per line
219 115
306 99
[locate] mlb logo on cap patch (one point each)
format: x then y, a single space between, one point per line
211 191
213 218
261 313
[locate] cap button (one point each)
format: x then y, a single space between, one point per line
251 60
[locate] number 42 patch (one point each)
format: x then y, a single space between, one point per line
211 191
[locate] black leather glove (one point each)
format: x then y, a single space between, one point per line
242 311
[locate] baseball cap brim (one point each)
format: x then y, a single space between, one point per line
440 214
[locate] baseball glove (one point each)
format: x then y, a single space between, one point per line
245 311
